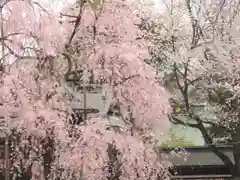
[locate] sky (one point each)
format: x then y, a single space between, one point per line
56 5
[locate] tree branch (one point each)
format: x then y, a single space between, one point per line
225 159
183 89
70 66
175 69
123 80
77 23
175 120
2 37
18 56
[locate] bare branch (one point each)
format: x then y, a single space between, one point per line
77 22
177 78
183 88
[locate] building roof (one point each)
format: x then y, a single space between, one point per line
199 163
201 177
196 156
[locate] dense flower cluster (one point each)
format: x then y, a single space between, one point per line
92 35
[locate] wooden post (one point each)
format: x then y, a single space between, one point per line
2 34
5 129
85 101
7 168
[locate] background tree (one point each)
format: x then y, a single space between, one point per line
195 49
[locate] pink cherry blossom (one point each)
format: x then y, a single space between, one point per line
106 40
